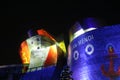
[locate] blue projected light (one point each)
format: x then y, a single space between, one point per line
44 74
91 23
95 55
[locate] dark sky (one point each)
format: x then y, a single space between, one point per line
55 17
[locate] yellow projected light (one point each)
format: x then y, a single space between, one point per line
40 50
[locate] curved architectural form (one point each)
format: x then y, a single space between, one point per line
95 55
40 50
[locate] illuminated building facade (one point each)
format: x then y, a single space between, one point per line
93 54
43 54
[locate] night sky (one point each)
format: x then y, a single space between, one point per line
55 17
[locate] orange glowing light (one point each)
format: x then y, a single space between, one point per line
24 53
52 56
42 32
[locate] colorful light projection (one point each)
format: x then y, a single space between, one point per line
95 55
75 31
40 49
43 74
88 24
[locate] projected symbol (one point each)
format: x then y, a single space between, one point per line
89 49
112 74
76 55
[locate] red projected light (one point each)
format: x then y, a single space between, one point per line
39 50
